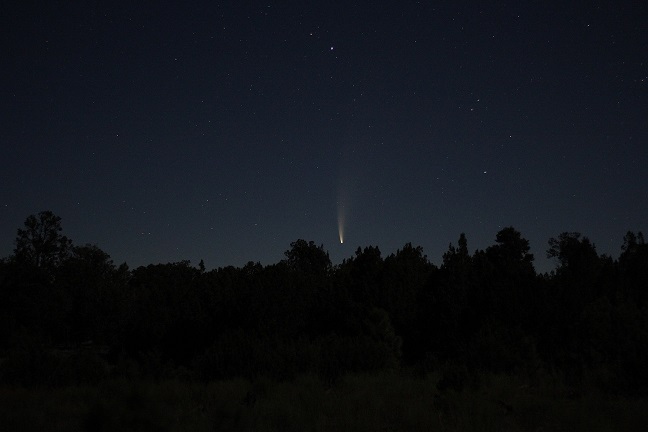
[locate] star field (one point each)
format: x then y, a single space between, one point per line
225 131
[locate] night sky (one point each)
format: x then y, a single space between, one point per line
223 131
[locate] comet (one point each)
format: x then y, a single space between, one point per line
340 220
350 172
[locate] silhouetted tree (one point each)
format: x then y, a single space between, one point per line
445 313
633 265
365 271
40 244
305 285
511 253
164 311
88 279
457 260
504 304
404 276
579 270
308 258
510 282
577 293
574 254
36 305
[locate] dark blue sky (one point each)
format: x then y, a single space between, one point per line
224 131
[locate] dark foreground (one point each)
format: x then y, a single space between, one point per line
378 402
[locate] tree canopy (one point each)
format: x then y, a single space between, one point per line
40 243
482 311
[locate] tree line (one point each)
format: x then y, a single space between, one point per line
69 314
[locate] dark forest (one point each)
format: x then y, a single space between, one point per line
70 316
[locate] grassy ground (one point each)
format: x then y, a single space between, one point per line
354 403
